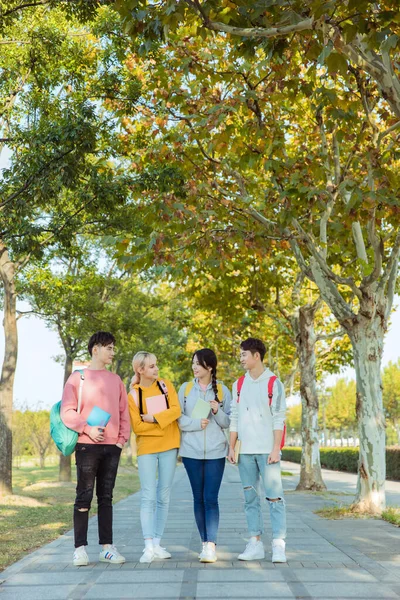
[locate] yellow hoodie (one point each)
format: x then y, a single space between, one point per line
163 435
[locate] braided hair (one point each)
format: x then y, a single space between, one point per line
207 358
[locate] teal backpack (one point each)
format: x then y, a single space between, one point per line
64 438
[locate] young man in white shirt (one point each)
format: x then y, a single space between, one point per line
258 424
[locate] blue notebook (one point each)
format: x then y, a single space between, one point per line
98 417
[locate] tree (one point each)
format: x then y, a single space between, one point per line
57 87
40 437
20 434
359 33
293 422
340 407
391 395
327 171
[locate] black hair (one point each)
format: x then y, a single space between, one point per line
207 358
254 345
104 338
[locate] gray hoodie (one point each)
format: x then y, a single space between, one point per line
210 442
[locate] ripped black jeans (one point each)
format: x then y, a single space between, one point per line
95 462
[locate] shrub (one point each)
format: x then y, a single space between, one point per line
346 459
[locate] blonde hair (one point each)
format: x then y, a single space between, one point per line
139 360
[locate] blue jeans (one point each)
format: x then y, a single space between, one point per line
205 478
155 493
252 468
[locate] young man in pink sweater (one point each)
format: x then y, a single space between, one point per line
98 449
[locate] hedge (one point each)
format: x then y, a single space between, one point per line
346 459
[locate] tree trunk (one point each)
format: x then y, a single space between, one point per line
42 459
310 474
64 472
7 274
366 330
367 340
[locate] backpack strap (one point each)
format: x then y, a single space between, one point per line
271 382
188 389
164 390
140 401
239 387
82 374
220 391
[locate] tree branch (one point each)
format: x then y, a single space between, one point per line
22 6
256 32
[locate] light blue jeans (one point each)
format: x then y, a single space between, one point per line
252 468
155 492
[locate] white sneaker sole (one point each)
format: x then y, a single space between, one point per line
258 557
112 562
279 560
162 557
146 560
80 563
204 559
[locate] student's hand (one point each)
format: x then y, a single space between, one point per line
119 445
214 406
231 455
135 379
274 456
204 423
96 434
148 418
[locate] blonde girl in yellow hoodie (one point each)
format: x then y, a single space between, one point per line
158 439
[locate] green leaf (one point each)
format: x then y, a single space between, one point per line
325 53
337 63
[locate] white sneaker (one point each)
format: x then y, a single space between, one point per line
202 549
208 555
111 555
160 552
278 551
80 558
253 551
148 555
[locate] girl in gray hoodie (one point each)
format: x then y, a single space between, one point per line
204 444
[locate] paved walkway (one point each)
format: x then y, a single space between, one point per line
340 481
326 559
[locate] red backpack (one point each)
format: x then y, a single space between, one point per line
270 395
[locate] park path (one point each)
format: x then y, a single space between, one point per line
339 481
326 559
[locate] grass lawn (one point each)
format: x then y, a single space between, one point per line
41 508
392 514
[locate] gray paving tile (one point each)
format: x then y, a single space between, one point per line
247 589
140 590
42 592
231 575
50 578
375 591
333 575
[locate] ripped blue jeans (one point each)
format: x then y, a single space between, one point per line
252 469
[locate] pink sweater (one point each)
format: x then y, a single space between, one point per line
103 389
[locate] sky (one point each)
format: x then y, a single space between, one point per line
39 379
